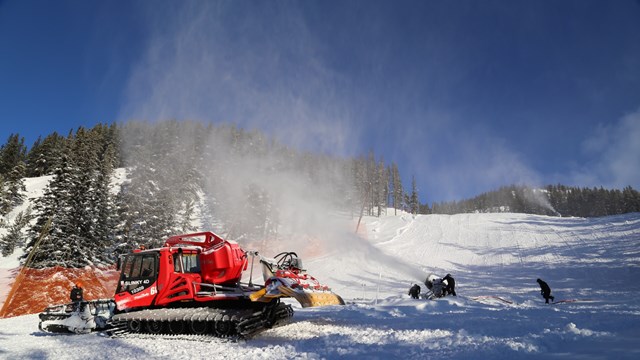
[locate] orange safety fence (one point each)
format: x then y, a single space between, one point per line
39 288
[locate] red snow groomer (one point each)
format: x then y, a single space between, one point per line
191 285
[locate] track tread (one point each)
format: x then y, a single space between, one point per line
245 322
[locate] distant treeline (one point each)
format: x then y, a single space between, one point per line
183 176
556 200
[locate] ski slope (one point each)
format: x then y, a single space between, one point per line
499 312
495 254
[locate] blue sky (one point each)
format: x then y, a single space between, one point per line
465 95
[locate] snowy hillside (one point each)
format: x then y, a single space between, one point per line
499 312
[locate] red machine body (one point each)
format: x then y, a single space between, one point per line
196 268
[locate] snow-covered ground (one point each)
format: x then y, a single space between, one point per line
499 312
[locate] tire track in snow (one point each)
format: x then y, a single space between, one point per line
518 251
532 232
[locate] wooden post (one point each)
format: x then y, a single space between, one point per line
23 271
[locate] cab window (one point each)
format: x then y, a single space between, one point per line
138 272
190 263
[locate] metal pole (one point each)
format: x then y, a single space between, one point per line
378 287
253 255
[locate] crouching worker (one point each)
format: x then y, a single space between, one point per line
545 291
414 292
450 285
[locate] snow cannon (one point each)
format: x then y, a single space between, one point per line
435 287
284 276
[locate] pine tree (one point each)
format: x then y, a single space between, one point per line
414 203
97 169
12 171
371 182
359 177
44 156
12 189
15 236
5 204
81 205
630 200
32 159
12 153
398 191
382 182
15 184
103 205
147 200
54 205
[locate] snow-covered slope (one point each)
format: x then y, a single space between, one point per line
499 312
509 250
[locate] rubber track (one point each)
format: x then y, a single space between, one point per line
242 323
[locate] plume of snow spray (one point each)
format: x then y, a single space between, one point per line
539 197
193 69
356 244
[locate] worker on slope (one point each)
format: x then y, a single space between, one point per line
414 292
545 291
450 285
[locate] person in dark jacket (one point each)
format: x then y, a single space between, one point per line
415 291
76 292
545 291
450 288
77 297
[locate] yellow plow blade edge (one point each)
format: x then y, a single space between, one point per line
257 296
262 296
306 299
311 299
